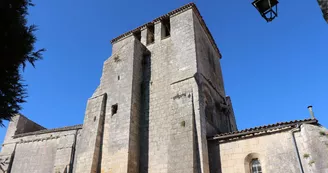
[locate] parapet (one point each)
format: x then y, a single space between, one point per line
20 124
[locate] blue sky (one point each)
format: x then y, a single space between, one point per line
272 71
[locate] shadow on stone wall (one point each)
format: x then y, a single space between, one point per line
214 156
144 117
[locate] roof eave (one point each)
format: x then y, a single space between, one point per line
264 129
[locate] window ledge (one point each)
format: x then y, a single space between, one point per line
164 38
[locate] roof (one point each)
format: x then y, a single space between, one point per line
36 124
176 11
260 130
67 128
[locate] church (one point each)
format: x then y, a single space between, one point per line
161 107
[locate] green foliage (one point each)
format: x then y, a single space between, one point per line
322 133
306 155
117 58
16 49
311 162
183 123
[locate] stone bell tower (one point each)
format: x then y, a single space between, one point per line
160 95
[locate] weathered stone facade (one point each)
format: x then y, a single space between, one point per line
160 100
285 147
29 147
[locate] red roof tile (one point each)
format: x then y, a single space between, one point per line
277 126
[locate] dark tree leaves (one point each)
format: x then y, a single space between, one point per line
16 49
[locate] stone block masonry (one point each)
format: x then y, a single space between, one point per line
121 80
88 150
158 124
148 114
38 151
276 151
161 107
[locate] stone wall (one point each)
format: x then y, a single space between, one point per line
147 82
231 115
172 62
20 124
38 156
276 152
216 112
314 140
121 81
149 113
88 150
210 79
42 151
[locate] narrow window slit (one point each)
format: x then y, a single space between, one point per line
137 35
166 28
150 34
114 109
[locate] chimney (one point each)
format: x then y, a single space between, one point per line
311 112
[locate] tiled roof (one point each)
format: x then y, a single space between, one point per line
263 129
179 10
67 128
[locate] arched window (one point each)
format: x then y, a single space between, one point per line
256 166
254 163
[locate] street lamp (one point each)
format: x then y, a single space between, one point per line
267 8
324 7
